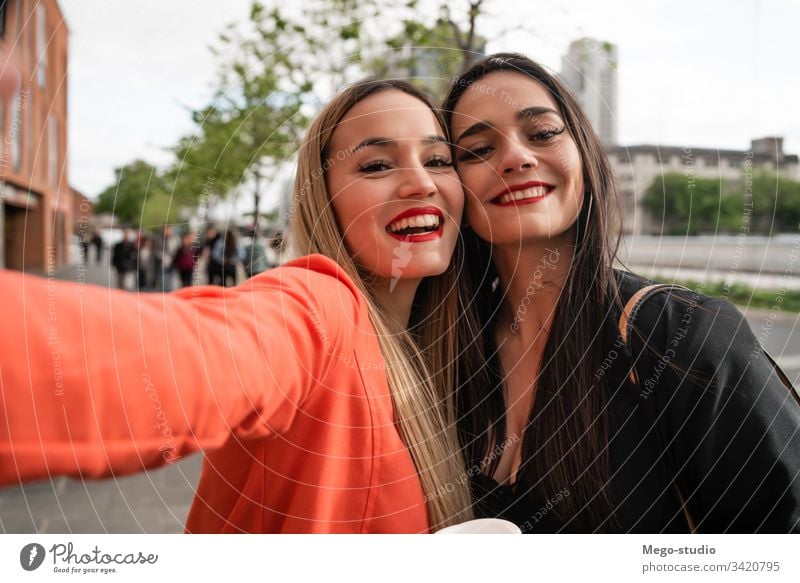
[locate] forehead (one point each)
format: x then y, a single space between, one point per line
388 114
500 94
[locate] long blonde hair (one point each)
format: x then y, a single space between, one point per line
420 363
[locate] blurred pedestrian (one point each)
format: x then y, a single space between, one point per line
228 253
97 241
255 255
145 264
213 269
165 245
123 258
185 259
83 241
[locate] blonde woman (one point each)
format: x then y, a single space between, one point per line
316 390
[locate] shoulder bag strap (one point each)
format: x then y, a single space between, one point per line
632 308
628 314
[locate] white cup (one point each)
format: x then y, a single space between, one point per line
482 526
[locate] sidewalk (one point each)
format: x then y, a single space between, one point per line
150 502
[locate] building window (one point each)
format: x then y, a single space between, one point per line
3 18
52 149
41 43
16 133
29 141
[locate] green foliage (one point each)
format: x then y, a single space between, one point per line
274 72
428 55
787 300
686 205
140 196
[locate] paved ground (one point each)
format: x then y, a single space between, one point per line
150 502
158 501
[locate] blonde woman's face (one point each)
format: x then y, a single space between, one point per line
520 167
393 188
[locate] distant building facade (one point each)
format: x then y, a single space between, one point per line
590 71
36 207
636 167
82 214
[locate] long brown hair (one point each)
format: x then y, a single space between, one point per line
566 438
419 360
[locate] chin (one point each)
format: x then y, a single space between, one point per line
516 232
419 267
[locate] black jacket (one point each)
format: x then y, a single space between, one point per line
709 411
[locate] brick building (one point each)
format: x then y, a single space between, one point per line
36 207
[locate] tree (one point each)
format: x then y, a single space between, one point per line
278 68
432 52
139 197
775 202
762 203
686 204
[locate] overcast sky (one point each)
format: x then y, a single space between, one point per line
704 73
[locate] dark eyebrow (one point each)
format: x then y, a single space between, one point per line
477 128
384 142
529 112
526 113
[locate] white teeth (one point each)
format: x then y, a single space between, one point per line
418 221
535 192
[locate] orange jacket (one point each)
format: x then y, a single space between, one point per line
280 381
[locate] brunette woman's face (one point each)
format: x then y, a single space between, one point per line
394 191
520 167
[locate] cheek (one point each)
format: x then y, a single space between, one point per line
349 208
472 178
572 166
475 215
452 190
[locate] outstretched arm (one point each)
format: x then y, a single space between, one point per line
96 381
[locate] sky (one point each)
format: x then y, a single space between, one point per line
702 73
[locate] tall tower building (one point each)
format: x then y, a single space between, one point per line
590 71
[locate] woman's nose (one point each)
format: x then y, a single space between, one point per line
517 156
416 181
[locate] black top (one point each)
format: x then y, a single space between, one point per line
728 432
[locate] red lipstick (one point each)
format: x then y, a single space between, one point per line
417 237
523 186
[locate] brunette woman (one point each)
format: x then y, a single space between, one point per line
580 415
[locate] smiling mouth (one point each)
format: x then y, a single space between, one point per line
416 227
527 194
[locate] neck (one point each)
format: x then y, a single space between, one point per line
532 274
397 297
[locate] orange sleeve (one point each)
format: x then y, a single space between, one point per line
95 382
